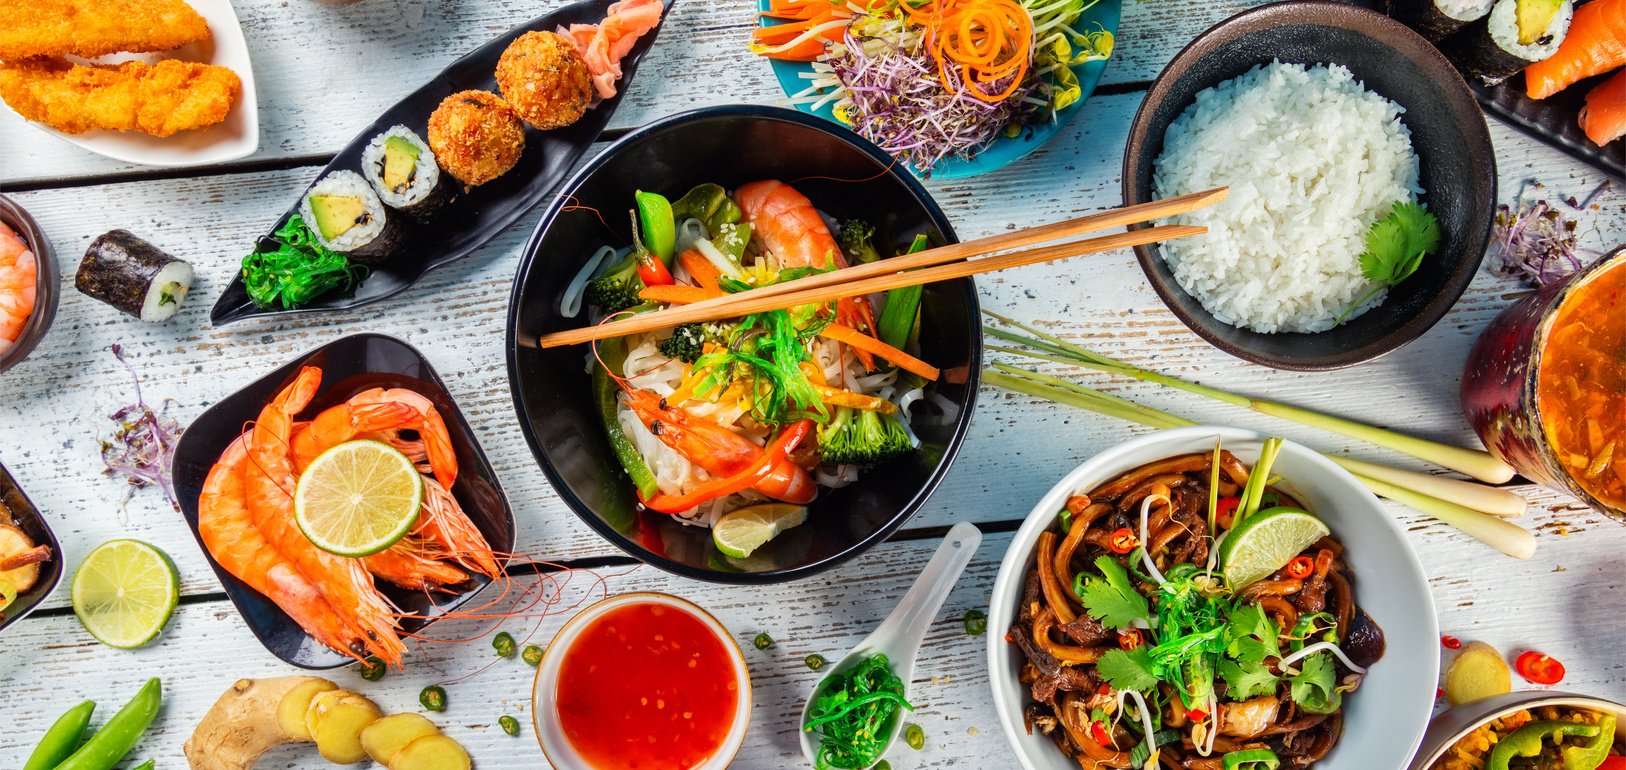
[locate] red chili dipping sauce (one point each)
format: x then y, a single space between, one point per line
647 686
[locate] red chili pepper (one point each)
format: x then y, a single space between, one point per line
1123 540
1104 689
654 271
1539 668
758 470
1613 763
1451 643
1227 506
1439 692
1301 567
1196 715
1131 639
1098 731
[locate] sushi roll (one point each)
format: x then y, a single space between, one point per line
402 169
134 276
346 216
1515 34
1438 19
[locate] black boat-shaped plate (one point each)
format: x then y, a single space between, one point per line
349 365
476 216
1553 120
15 506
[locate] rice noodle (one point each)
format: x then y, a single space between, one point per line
570 303
689 231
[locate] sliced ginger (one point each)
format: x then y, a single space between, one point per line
335 719
1478 672
431 752
293 707
382 739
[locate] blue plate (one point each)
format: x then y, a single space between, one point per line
1004 150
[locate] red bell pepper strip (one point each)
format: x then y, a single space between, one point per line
749 476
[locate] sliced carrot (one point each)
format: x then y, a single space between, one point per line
838 397
700 269
849 336
677 294
806 9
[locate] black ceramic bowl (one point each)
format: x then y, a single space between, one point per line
1448 133
730 146
349 365
45 295
15 506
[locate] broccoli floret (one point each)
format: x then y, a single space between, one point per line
685 344
857 239
857 437
617 289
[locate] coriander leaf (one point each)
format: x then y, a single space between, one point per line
1251 634
1395 248
1385 243
1250 651
1314 686
1113 600
1127 670
1246 680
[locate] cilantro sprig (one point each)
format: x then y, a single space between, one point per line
1395 248
1112 598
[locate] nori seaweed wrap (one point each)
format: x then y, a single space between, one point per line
133 276
1490 49
1438 19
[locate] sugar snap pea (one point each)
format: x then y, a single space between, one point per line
119 735
62 738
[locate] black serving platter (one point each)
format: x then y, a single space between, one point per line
349 365
32 523
474 216
845 177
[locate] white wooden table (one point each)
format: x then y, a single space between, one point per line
1568 601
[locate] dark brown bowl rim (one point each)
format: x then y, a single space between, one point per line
45 297
1397 36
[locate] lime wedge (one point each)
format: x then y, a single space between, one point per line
124 593
740 532
1266 542
358 498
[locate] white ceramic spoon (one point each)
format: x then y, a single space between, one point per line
900 635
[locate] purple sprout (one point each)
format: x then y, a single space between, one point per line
143 447
1536 242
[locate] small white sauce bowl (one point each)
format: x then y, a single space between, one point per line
550 734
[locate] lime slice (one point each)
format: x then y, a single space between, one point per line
124 593
358 498
740 532
1266 542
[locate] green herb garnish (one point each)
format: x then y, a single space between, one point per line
298 270
1113 600
853 716
1395 247
1314 687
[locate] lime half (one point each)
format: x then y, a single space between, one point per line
124 593
1266 542
358 498
740 532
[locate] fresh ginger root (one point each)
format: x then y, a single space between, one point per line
382 739
293 707
335 719
244 723
431 752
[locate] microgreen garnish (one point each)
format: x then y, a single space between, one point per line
142 449
1395 247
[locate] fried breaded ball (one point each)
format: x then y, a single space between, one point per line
545 80
159 99
92 28
475 136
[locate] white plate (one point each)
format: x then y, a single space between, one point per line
235 137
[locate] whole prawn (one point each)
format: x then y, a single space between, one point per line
269 480
720 451
19 280
794 231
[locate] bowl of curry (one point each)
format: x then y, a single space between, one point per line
1545 386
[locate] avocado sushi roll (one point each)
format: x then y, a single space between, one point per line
1438 19
134 276
346 216
1516 34
401 167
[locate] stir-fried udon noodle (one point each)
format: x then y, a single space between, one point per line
1139 654
773 406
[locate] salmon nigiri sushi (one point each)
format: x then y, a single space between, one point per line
1596 44
1603 118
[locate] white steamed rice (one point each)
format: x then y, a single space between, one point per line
1312 159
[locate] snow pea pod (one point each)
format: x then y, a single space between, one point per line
62 738
119 735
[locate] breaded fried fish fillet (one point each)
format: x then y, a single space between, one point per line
159 99
92 28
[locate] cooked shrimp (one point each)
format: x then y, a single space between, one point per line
411 564
795 233
269 481
19 280
720 451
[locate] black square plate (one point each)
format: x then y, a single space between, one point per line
349 365
32 522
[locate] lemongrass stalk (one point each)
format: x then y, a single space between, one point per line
1497 533
1254 494
1472 462
1496 502
1213 489
1503 535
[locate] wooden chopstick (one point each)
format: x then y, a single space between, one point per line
1140 212
759 301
